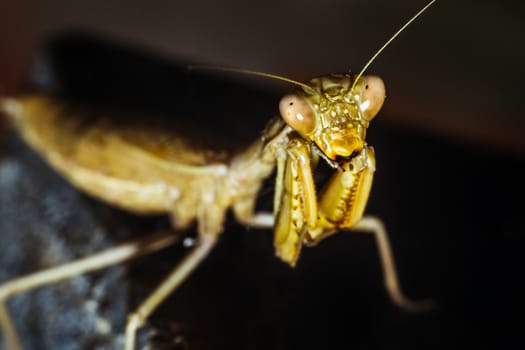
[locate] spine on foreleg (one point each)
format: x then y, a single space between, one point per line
344 198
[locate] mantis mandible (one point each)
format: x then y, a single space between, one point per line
141 170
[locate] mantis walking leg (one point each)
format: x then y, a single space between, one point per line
51 275
304 220
204 245
374 225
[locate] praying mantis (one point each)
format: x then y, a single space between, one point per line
152 169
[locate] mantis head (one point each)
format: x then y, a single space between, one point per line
334 112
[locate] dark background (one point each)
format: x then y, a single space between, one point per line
457 72
448 185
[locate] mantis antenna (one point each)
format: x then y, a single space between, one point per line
390 40
305 86
250 72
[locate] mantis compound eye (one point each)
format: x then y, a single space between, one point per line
372 96
297 113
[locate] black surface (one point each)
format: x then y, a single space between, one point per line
454 214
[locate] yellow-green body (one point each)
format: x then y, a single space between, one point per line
148 168
164 167
157 168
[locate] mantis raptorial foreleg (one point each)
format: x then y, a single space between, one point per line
296 199
304 220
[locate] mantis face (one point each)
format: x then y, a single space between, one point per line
334 113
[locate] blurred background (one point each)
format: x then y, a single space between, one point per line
456 72
449 184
